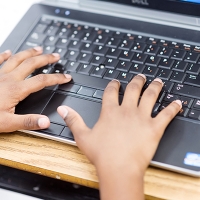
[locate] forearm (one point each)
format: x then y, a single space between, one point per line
121 184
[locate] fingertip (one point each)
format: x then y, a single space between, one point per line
43 122
179 103
62 111
8 52
38 49
68 76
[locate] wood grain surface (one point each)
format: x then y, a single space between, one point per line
66 162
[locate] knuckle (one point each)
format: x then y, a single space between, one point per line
29 123
14 58
133 86
151 93
110 89
29 61
41 77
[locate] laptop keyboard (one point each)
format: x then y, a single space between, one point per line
94 56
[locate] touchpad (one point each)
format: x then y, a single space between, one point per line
89 110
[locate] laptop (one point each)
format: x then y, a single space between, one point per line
102 40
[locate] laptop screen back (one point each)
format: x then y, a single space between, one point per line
187 7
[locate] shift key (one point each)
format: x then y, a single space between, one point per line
186 90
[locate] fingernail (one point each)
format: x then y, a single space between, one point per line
39 49
117 81
7 51
63 111
143 76
56 55
43 122
178 102
158 80
68 76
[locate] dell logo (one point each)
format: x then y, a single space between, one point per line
142 2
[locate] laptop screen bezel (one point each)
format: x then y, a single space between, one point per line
173 6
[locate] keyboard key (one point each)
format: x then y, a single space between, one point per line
99 71
193 69
163 43
101 40
194 114
76 35
139 58
192 57
119 34
178 77
86 91
72 66
61 52
152 60
140 38
46 21
113 53
186 90
150 71
137 68
52 30
138 47
125 77
111 63
126 55
197 104
171 97
50 41
178 54
37 38
88 48
85 58
129 36
164 74
88 37
72 55
85 69
151 50
123 66
62 43
101 50
186 101
40 28
48 49
186 47
165 52
196 49
179 66
75 45
174 45
152 41
113 42
111 74
167 86
126 45
183 112
166 63
192 80
97 60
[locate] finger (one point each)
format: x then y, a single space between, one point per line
76 124
4 56
41 81
18 58
111 94
133 91
166 115
150 96
31 64
24 122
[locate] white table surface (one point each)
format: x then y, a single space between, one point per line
11 11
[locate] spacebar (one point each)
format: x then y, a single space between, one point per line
89 81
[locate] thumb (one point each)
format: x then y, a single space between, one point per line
76 124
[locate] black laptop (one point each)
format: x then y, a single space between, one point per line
103 40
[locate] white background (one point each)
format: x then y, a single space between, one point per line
11 11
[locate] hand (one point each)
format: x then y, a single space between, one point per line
124 140
14 87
